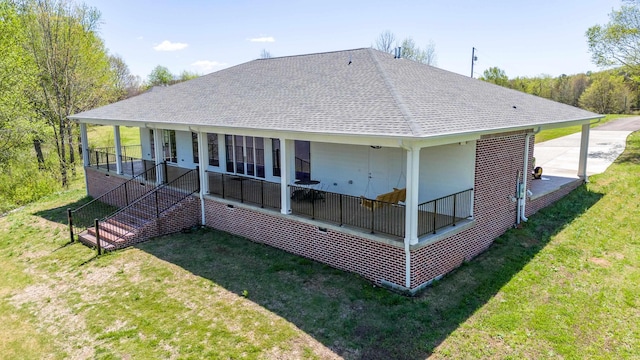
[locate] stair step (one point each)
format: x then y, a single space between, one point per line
90 240
110 235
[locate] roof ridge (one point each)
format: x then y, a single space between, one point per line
311 54
413 126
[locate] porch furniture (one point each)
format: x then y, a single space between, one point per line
394 197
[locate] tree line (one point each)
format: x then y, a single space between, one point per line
614 46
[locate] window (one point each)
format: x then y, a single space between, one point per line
275 145
169 148
194 146
212 145
303 160
245 155
151 141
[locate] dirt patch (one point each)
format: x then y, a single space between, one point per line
600 261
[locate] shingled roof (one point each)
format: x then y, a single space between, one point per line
355 92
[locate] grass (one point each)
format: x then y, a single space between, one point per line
565 285
551 134
102 136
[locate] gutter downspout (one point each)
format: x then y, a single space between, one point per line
407 249
525 174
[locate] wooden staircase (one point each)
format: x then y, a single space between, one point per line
121 229
141 218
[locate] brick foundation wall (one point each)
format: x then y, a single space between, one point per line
101 182
185 214
373 260
533 206
499 158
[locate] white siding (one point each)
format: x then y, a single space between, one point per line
446 169
145 141
357 170
184 149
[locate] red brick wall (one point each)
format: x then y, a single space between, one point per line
185 214
101 181
499 158
373 260
542 202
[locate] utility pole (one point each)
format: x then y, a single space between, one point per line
474 58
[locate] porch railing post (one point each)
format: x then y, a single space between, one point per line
70 218
198 172
107 155
157 207
340 209
435 214
241 190
313 203
262 193
97 160
126 194
454 209
165 178
223 194
96 225
373 209
132 171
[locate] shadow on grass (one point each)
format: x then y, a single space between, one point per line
59 214
354 318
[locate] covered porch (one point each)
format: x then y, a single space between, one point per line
337 184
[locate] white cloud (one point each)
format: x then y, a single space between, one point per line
169 46
206 65
263 39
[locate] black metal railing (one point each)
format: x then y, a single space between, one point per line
445 211
125 221
123 195
245 189
106 158
373 215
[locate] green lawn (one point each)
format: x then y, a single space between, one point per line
546 135
102 136
563 286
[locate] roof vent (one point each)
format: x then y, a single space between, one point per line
397 52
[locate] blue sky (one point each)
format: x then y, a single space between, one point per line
524 38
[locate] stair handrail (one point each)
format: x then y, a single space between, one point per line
76 226
185 193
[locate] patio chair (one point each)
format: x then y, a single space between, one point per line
394 197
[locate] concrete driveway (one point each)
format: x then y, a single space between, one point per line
559 157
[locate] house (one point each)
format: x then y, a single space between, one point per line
298 152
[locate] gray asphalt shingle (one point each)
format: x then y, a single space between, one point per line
374 95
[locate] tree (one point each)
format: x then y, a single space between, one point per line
17 79
618 42
412 52
160 76
265 54
607 95
386 41
126 84
73 68
496 76
187 75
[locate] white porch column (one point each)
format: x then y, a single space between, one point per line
411 203
158 143
84 139
287 173
584 151
203 161
118 146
